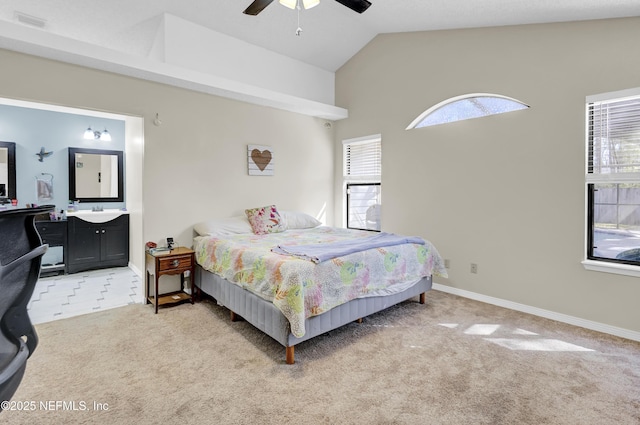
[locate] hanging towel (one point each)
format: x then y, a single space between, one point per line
44 189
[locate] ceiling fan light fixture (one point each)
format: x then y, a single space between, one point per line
258 6
308 4
291 4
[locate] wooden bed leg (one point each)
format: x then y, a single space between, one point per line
423 298
233 316
359 320
290 355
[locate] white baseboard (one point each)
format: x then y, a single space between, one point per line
576 321
135 269
144 282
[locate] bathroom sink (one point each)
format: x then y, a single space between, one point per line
97 216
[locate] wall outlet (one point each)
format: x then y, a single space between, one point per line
447 263
474 268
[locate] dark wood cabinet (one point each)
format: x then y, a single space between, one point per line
53 233
97 245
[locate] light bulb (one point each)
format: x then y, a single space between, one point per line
308 4
88 134
291 4
105 136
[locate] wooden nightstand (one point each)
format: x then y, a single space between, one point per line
178 260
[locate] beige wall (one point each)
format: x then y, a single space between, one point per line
505 192
194 166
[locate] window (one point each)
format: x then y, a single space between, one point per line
362 182
466 107
363 201
613 177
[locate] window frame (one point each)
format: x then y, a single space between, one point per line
348 195
591 261
480 111
363 179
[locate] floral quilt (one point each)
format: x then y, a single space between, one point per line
300 288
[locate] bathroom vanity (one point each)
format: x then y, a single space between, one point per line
97 239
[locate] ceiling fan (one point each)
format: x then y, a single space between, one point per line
258 5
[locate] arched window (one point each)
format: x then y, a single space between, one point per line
465 107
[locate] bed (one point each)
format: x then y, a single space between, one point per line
294 279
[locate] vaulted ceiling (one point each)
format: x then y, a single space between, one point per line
331 32
123 36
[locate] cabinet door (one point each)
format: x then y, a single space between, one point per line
53 233
83 242
115 241
98 245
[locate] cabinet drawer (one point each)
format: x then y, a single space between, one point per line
52 240
52 234
46 229
175 263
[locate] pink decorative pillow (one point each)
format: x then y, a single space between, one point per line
265 220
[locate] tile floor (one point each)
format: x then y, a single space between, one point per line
63 296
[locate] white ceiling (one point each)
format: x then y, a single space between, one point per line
331 33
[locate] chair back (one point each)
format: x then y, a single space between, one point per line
21 252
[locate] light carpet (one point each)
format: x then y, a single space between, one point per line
451 361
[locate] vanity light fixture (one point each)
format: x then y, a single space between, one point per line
97 135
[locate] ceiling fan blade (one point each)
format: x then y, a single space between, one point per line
356 5
256 7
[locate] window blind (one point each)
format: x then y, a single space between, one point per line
363 159
613 132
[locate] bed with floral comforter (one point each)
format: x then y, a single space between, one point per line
300 288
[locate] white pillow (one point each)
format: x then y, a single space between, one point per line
299 220
224 226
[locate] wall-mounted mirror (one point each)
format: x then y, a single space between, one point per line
96 175
7 171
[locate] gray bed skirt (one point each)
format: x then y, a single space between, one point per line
266 317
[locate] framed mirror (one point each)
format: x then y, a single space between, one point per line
7 171
96 175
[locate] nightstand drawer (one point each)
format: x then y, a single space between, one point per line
175 263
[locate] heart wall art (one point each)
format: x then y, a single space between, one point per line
260 160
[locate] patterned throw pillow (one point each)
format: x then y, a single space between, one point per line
265 220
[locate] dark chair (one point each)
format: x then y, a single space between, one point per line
21 251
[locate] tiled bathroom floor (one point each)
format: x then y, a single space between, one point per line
63 296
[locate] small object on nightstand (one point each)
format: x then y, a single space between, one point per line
170 243
170 262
